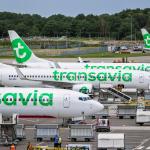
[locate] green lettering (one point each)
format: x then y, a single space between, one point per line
61 75
82 75
147 68
35 98
128 67
102 76
91 76
55 75
112 77
110 67
118 67
86 66
101 67
127 77
46 99
71 76
92 67
8 96
23 100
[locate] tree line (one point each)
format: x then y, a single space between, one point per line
123 25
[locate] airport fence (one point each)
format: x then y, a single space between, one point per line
7 51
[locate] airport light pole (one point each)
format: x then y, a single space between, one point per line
131 27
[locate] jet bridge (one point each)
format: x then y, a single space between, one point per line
7 129
119 94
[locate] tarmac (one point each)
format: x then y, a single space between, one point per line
136 137
141 59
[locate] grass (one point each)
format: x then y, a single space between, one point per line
92 55
104 55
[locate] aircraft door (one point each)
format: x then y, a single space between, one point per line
141 78
66 101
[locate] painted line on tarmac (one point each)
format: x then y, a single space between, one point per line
39 144
140 147
142 143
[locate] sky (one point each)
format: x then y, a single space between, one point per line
70 7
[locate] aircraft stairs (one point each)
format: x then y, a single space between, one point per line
119 94
7 130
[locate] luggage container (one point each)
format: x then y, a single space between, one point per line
115 141
46 131
81 132
79 146
142 116
126 111
103 114
20 131
102 125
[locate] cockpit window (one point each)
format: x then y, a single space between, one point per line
84 98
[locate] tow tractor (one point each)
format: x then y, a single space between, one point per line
102 125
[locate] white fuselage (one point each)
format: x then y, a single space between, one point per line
93 66
46 102
112 77
73 65
130 79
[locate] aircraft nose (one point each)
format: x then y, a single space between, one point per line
97 107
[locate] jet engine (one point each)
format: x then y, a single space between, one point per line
84 88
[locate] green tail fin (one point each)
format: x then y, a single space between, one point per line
146 37
21 51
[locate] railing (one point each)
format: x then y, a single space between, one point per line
120 94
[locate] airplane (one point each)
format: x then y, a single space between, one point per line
26 58
46 102
78 79
104 78
146 37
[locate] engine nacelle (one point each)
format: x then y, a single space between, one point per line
84 88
